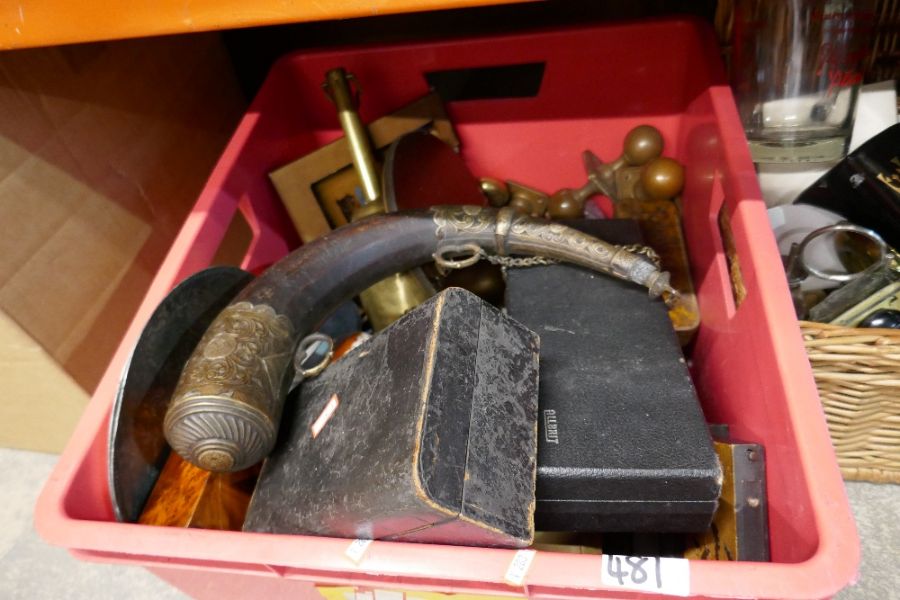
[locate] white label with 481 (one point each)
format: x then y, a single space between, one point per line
647 573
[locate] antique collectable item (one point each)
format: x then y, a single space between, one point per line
337 87
623 443
420 170
318 189
424 433
137 446
644 189
226 408
389 299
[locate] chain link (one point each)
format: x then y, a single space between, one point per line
534 261
509 261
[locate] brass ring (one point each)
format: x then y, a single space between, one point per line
303 352
443 262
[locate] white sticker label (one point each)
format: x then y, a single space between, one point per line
647 573
324 416
357 549
519 566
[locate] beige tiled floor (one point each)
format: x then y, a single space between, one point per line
33 570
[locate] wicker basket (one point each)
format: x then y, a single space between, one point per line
857 372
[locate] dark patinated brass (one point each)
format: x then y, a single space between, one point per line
641 145
337 86
226 410
641 148
391 298
568 203
644 185
527 200
318 189
660 179
496 191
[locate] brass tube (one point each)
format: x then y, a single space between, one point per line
357 137
389 299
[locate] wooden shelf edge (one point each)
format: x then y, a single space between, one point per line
32 23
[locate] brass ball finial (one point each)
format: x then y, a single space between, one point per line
641 145
565 204
496 191
663 178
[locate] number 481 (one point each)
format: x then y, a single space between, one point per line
633 569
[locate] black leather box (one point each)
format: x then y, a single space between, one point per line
425 433
623 444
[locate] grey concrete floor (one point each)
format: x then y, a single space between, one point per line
876 507
33 570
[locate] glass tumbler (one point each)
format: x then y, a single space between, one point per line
796 72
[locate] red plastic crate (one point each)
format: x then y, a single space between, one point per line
750 367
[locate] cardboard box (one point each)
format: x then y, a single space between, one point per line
103 151
43 401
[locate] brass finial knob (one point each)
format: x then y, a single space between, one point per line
567 203
662 178
642 144
496 192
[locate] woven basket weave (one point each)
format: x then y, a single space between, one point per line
857 372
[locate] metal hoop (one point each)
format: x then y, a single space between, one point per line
304 351
844 277
443 262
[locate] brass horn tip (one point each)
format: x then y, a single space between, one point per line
659 286
219 433
671 296
218 460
